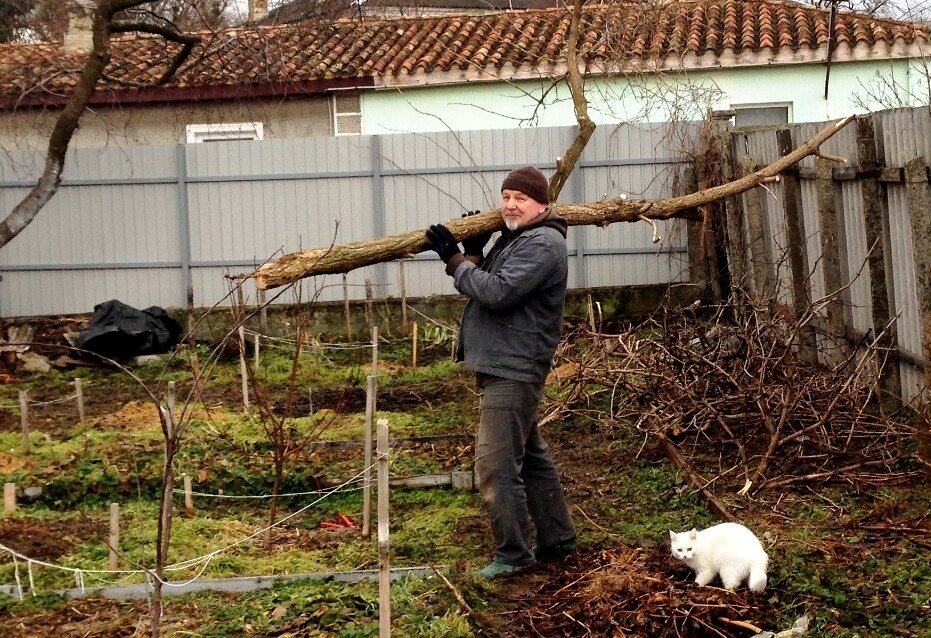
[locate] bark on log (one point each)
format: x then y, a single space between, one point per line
339 259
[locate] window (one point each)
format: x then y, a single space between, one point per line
197 133
346 107
761 114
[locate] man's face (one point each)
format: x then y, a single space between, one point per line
519 210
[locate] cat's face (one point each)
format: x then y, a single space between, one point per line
682 544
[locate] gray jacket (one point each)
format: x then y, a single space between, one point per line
513 320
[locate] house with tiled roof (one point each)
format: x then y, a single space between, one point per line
764 61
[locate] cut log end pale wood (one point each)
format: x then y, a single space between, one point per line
343 258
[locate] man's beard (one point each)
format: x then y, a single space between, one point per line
510 224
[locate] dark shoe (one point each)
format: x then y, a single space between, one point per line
495 569
555 552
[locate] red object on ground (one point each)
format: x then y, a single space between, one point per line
342 522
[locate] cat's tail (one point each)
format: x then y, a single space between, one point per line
757 579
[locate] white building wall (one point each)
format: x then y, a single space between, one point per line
853 89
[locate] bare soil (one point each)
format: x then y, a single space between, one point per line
610 589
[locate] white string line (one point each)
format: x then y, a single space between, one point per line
179 490
323 345
51 401
194 561
79 573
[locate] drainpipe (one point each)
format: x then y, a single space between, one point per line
80 36
258 9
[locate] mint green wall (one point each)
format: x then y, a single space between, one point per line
853 89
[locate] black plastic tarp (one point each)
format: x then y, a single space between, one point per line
118 331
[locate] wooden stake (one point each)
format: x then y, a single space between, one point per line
79 395
188 496
403 282
243 370
346 308
24 420
263 315
310 400
258 338
591 314
114 560
367 442
384 564
414 345
375 350
369 319
9 498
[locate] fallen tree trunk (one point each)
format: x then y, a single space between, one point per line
339 259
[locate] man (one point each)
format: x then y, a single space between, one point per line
509 331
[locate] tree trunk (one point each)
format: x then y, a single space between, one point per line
339 259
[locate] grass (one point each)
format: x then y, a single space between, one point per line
822 561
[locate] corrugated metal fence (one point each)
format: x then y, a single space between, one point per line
865 229
143 224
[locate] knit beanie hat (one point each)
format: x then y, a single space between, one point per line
530 181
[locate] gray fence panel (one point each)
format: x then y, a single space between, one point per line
905 134
194 214
859 308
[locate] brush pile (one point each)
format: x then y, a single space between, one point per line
628 592
727 387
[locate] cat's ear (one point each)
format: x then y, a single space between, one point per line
693 534
672 535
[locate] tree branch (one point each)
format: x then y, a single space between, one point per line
47 185
566 163
339 259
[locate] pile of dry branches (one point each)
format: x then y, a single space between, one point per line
613 593
726 387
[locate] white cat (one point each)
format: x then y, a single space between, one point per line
729 550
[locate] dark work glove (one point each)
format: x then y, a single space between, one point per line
442 241
475 245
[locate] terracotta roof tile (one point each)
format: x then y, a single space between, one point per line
346 50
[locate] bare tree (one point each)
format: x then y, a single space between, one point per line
110 17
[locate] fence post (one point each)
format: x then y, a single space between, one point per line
241 331
761 254
9 498
736 246
188 496
402 279
24 420
114 558
414 346
700 240
346 313
367 472
79 395
876 223
384 563
796 235
369 318
375 350
918 194
830 254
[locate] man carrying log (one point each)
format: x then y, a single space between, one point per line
508 335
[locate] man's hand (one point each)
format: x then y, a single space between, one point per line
442 241
475 246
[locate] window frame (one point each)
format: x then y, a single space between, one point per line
335 115
225 131
763 105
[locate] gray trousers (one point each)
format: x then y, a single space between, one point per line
517 478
